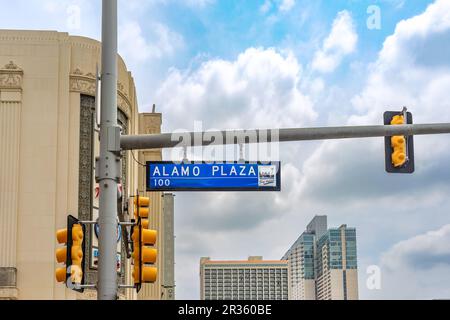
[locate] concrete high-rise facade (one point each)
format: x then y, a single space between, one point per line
49 144
254 279
323 263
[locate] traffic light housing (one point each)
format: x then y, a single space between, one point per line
399 150
72 254
144 254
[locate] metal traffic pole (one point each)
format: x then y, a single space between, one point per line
108 164
188 139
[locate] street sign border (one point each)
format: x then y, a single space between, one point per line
234 189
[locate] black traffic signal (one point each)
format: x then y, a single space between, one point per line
399 150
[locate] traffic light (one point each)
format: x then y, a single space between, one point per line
144 253
72 254
399 150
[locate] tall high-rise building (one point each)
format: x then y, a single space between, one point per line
254 279
323 263
336 268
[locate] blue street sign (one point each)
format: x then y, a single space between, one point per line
168 176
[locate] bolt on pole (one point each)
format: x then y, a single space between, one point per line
108 167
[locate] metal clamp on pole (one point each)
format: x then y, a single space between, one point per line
405 122
126 286
127 224
241 152
77 286
185 158
88 222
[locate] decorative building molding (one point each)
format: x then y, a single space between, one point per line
77 72
120 87
11 66
11 77
85 188
124 104
85 84
87 110
82 85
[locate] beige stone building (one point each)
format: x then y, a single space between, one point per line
47 152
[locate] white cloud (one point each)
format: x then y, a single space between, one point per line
412 69
420 252
137 47
418 268
50 6
340 42
282 5
260 89
265 7
287 5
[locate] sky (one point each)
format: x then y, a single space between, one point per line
295 63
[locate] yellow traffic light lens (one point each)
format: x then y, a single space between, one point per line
398 142
149 255
61 255
149 274
143 201
61 236
144 223
149 236
143 212
397 120
60 274
398 158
